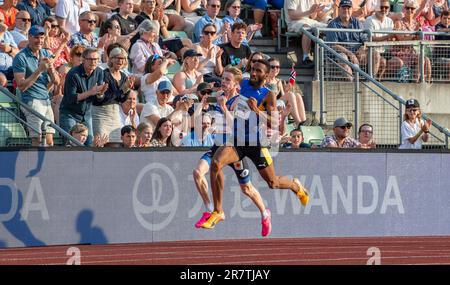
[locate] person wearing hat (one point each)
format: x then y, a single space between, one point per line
187 80
340 137
35 76
414 130
354 53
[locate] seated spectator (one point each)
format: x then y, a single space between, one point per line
407 53
128 135
259 10
187 80
8 49
162 136
21 27
154 111
212 10
105 109
80 132
9 11
37 11
340 138
201 138
350 43
144 134
127 24
67 13
296 140
210 64
155 71
440 54
365 136
234 53
257 55
34 79
110 35
304 13
56 42
146 46
86 36
82 83
414 130
130 110
233 10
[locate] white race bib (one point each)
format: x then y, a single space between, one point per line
242 110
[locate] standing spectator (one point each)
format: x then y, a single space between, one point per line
9 11
86 36
105 110
8 49
414 129
129 111
187 80
36 9
126 22
128 136
35 75
21 27
304 13
67 13
144 134
154 72
234 52
352 43
441 53
365 136
213 9
82 83
110 34
162 136
340 138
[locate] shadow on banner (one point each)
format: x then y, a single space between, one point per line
88 233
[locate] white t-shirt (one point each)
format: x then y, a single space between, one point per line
409 131
298 5
374 24
149 90
70 11
155 109
125 119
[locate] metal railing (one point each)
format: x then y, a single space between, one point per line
12 124
346 90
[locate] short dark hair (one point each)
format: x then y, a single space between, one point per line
127 129
445 13
239 26
264 62
296 130
209 25
88 51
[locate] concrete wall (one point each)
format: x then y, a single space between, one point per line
70 197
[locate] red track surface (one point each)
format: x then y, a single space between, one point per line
393 250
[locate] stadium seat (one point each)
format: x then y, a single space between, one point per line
312 135
11 130
178 34
174 68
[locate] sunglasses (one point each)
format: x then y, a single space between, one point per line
346 127
215 6
275 66
54 26
255 60
77 53
204 92
90 21
209 33
25 19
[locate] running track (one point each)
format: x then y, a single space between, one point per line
272 251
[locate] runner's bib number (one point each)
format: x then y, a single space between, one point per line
242 110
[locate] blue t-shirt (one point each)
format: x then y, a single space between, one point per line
347 37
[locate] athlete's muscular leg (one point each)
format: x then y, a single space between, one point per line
200 180
223 156
250 191
277 182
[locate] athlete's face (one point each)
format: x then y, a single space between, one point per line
258 74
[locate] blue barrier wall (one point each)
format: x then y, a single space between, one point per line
71 197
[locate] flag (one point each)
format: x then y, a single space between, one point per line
292 76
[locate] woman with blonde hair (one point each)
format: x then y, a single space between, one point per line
105 109
144 134
187 80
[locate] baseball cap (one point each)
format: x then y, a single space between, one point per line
203 87
190 53
164 85
36 30
346 3
412 103
340 122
